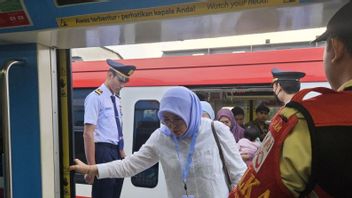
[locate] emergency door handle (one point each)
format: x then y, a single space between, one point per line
7 124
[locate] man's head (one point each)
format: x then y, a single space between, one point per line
262 113
238 113
338 50
118 75
286 82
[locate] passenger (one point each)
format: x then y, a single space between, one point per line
238 113
262 115
249 144
307 152
207 110
286 84
225 116
186 149
103 139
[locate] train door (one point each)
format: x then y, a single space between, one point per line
26 136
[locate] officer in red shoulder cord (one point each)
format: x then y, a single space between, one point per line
286 84
308 152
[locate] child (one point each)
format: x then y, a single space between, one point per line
249 144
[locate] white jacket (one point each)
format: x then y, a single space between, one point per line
206 178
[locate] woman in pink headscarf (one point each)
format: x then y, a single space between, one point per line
225 116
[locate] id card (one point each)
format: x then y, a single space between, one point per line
188 196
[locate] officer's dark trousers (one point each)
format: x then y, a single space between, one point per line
106 188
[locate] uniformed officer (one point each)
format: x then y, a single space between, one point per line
286 84
103 138
307 151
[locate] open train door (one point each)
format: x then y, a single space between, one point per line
27 122
35 122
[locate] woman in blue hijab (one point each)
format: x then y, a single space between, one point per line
208 111
186 149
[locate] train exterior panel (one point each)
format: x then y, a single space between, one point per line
228 80
216 69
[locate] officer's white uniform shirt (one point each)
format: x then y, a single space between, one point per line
99 111
206 178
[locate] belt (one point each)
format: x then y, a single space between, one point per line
108 145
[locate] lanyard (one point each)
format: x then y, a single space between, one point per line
188 162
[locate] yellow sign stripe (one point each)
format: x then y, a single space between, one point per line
190 9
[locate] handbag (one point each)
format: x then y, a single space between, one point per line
227 176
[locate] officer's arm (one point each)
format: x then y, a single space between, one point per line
89 146
296 156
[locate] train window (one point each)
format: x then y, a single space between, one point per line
145 122
248 97
78 98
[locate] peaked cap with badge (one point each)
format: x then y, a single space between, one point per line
279 75
339 25
123 70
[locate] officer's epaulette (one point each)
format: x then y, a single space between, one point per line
98 91
288 112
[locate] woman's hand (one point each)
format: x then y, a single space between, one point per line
90 171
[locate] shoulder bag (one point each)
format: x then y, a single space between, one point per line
227 176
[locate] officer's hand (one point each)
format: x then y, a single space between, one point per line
122 154
88 179
80 167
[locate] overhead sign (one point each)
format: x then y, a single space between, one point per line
173 11
13 14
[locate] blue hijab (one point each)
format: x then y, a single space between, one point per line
185 104
206 107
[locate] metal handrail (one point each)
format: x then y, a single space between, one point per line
7 125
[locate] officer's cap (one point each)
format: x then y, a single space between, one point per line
123 70
340 24
279 75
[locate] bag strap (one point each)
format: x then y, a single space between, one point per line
227 176
300 95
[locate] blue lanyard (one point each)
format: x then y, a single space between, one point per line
186 167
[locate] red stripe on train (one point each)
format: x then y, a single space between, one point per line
214 69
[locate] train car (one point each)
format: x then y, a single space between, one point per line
36 146
225 80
